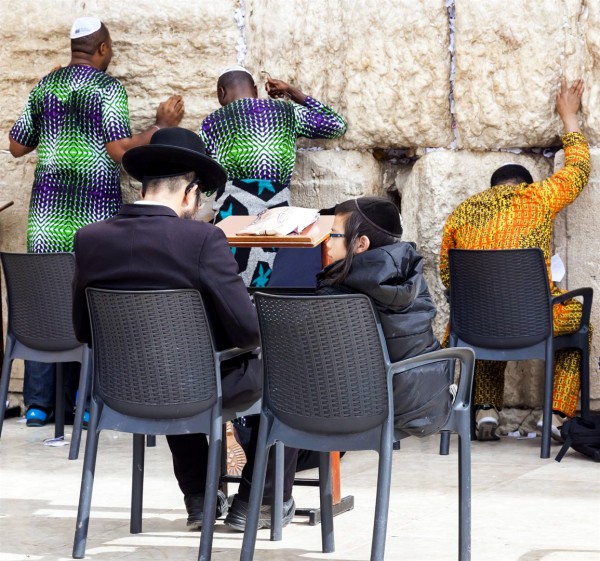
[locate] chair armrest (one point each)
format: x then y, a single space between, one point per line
465 355
587 293
233 352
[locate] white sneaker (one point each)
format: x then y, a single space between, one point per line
486 421
557 422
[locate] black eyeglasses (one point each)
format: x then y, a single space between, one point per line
197 182
191 185
336 235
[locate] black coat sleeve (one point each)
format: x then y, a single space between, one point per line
232 314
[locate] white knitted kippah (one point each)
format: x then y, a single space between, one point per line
84 26
234 68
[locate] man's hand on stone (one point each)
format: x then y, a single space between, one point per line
278 89
568 102
170 112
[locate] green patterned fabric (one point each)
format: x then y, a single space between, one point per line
256 138
70 116
255 141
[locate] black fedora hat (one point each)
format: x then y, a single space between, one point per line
174 151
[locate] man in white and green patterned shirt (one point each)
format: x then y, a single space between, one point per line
255 141
78 119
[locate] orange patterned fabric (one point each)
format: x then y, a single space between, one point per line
521 216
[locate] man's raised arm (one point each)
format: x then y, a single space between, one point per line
565 185
168 114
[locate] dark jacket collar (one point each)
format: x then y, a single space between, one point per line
147 210
391 275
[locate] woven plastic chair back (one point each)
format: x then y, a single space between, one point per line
40 299
499 298
153 352
325 371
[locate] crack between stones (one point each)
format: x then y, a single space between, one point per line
240 20
450 9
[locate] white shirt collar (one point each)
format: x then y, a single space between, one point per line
143 202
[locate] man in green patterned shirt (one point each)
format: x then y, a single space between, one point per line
78 119
255 141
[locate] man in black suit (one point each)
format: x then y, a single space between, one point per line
150 245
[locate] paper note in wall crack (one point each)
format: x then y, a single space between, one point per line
557 268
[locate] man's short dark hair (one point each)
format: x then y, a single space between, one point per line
171 183
91 42
509 174
235 78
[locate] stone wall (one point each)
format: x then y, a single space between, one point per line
435 93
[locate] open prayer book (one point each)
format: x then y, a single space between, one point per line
281 221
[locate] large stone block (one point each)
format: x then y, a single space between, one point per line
590 23
324 178
160 48
165 47
35 39
439 181
509 60
383 64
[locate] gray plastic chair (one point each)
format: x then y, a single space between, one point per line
459 422
156 371
328 386
501 307
40 327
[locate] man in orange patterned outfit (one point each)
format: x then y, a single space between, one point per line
513 213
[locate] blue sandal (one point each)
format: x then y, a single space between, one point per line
86 420
38 416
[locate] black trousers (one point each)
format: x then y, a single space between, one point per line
190 454
241 382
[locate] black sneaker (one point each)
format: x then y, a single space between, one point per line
486 421
38 416
194 504
238 511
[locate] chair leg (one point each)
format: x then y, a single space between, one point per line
473 409
326 503
85 377
382 503
277 503
210 492
150 441
444 443
6 368
256 491
87 484
445 436
547 406
223 461
59 407
585 378
137 484
464 488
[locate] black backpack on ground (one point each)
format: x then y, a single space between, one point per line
582 435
